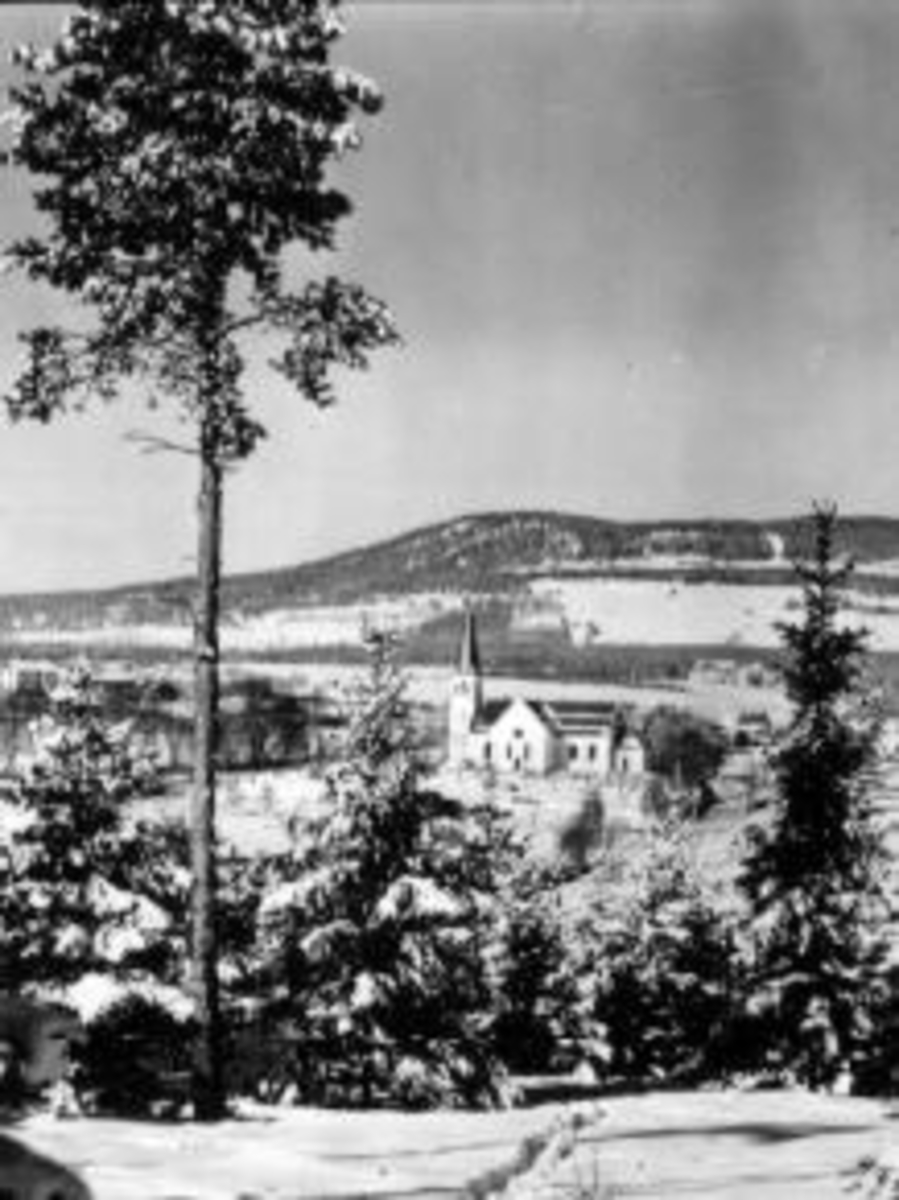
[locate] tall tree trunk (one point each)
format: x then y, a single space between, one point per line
208 1089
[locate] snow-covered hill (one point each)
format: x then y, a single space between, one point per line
580 580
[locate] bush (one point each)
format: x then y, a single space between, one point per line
583 833
135 1060
683 748
877 1073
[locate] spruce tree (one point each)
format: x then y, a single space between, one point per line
377 945
539 1024
663 965
811 873
83 890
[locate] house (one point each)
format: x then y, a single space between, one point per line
753 729
532 736
725 672
29 675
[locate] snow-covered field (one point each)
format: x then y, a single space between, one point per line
728 1145
651 613
276 630
733 1145
607 611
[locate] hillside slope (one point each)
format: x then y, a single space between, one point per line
568 596
492 553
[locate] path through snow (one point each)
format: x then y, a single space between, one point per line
669 1146
725 1146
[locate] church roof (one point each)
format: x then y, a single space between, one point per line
564 717
580 716
489 713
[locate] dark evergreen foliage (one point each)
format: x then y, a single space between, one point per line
376 944
664 967
538 1021
76 878
135 1060
878 1072
683 748
178 149
811 872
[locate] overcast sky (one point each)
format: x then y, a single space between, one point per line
645 259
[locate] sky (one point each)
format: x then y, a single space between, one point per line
644 255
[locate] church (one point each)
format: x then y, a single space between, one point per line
536 737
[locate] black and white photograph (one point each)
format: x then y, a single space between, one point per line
449 599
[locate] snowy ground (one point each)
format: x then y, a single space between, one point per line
695 1146
653 612
606 611
727 1146
296 1154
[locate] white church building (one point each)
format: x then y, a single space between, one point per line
536 737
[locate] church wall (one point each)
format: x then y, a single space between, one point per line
589 753
520 741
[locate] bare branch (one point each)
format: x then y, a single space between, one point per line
151 444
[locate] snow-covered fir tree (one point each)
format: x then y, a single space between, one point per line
83 891
661 964
539 1023
377 943
812 871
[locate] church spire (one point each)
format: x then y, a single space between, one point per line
470 653
466 695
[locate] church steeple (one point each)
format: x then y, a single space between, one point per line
470 654
466 693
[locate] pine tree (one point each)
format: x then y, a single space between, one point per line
377 945
811 874
180 148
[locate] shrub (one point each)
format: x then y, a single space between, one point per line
877 1073
683 748
583 833
135 1060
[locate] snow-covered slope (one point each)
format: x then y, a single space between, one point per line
655 612
588 580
